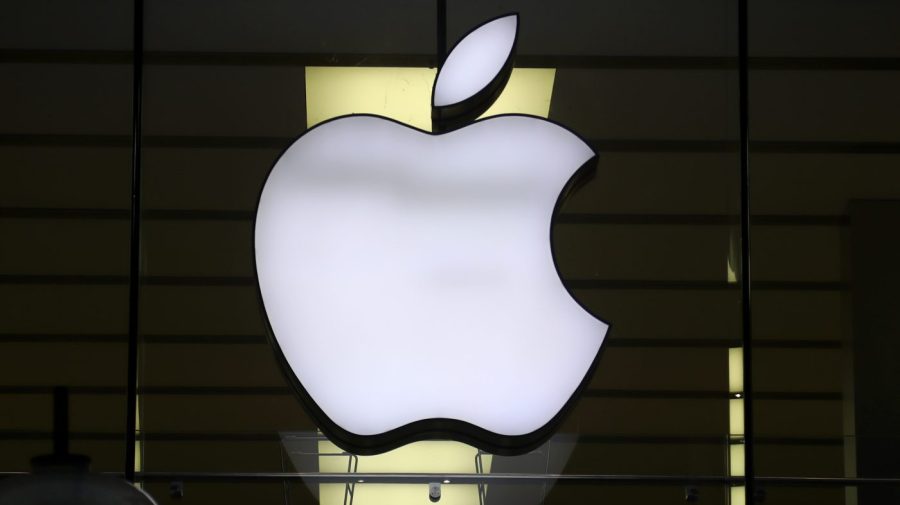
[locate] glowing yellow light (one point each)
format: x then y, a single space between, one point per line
404 93
736 460
731 274
736 417
528 92
736 370
738 495
138 444
441 457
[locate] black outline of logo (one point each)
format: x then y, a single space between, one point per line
443 428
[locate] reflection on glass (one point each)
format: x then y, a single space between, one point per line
312 452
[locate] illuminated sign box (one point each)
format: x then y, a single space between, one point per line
407 276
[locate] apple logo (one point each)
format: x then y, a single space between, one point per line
408 277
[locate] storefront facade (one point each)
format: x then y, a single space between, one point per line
803 159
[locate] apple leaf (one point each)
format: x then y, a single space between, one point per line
474 73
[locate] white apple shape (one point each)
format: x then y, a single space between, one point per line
409 282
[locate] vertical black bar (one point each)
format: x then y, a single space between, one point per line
60 421
135 256
441 31
747 321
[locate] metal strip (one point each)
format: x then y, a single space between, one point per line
135 252
571 283
569 218
441 32
424 478
591 61
640 146
454 478
648 394
746 315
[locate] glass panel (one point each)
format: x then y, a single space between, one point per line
65 165
825 194
649 244
833 493
298 492
220 105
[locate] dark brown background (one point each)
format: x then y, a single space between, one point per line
652 83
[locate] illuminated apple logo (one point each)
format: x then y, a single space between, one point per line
408 277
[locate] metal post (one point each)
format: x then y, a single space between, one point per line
441 31
134 271
747 327
60 421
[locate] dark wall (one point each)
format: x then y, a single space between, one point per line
651 242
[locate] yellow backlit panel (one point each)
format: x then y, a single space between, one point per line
399 93
736 460
736 416
528 92
404 93
441 457
736 370
738 495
